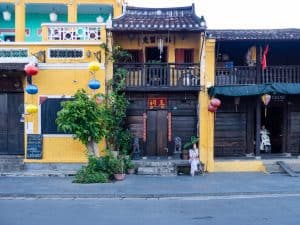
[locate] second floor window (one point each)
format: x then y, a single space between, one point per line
183 55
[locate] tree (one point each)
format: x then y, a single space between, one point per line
85 119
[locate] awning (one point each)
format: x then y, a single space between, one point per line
259 89
19 67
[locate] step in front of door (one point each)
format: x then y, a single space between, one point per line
157 171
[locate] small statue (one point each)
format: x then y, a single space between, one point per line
136 154
177 148
136 145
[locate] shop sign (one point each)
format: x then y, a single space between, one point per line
157 103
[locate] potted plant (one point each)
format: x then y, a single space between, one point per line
118 169
129 166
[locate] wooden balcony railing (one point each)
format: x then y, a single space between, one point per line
72 32
244 75
281 74
161 76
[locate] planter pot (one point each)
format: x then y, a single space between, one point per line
119 176
131 171
185 154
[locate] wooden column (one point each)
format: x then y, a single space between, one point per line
250 128
72 11
285 126
258 64
258 125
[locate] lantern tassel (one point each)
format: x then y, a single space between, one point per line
265 112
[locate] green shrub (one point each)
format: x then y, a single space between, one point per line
128 163
87 176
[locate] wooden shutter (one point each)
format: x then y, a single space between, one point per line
179 55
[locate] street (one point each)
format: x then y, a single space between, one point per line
273 209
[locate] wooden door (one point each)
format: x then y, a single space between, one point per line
3 123
157 133
11 129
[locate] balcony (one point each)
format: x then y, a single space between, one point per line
72 32
161 76
245 75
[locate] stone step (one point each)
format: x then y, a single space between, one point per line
157 171
11 163
11 167
142 163
273 167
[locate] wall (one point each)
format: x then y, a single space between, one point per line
20 11
56 78
188 40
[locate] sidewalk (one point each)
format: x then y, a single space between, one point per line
216 184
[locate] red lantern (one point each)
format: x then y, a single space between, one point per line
31 70
215 102
212 108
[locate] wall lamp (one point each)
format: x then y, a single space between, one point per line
40 55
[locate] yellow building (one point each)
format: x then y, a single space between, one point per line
61 38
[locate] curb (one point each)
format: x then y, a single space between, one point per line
143 196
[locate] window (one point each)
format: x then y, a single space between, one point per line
184 55
49 109
65 53
136 56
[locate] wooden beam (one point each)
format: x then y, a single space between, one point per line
258 126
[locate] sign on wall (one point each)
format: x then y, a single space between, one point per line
157 103
34 146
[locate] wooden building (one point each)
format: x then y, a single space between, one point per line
163 80
241 81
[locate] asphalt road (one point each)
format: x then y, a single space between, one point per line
265 209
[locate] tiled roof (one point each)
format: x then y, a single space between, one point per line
259 34
158 19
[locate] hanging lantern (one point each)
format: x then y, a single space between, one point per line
266 100
31 69
31 108
212 108
94 66
6 15
31 89
215 102
94 84
53 16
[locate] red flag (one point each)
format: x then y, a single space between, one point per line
264 58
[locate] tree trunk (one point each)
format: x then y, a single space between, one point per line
93 148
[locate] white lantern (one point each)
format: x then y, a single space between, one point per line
6 15
99 19
53 17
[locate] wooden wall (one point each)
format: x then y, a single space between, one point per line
234 127
293 136
183 109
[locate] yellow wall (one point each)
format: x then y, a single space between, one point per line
58 81
207 118
188 40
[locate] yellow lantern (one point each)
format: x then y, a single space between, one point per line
266 99
31 108
94 66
